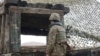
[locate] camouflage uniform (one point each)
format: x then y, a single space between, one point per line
56 41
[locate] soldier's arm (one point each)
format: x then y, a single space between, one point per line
51 40
64 36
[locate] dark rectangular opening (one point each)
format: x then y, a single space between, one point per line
34 24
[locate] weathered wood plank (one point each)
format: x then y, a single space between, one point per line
80 52
14 31
1 34
34 10
4 35
1 10
11 1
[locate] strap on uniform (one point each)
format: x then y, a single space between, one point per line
56 23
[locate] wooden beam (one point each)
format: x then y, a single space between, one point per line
80 52
11 2
34 10
14 31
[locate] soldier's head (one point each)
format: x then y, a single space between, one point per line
55 17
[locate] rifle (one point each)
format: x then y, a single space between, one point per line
67 30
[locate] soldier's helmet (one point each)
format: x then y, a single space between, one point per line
55 16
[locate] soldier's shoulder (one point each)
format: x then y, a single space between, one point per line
59 28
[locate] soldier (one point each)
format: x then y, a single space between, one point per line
56 41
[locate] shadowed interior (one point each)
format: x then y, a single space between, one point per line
34 24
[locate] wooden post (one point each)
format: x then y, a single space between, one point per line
1 32
4 35
14 31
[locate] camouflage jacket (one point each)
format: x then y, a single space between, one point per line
56 41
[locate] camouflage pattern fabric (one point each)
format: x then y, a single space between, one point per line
56 41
